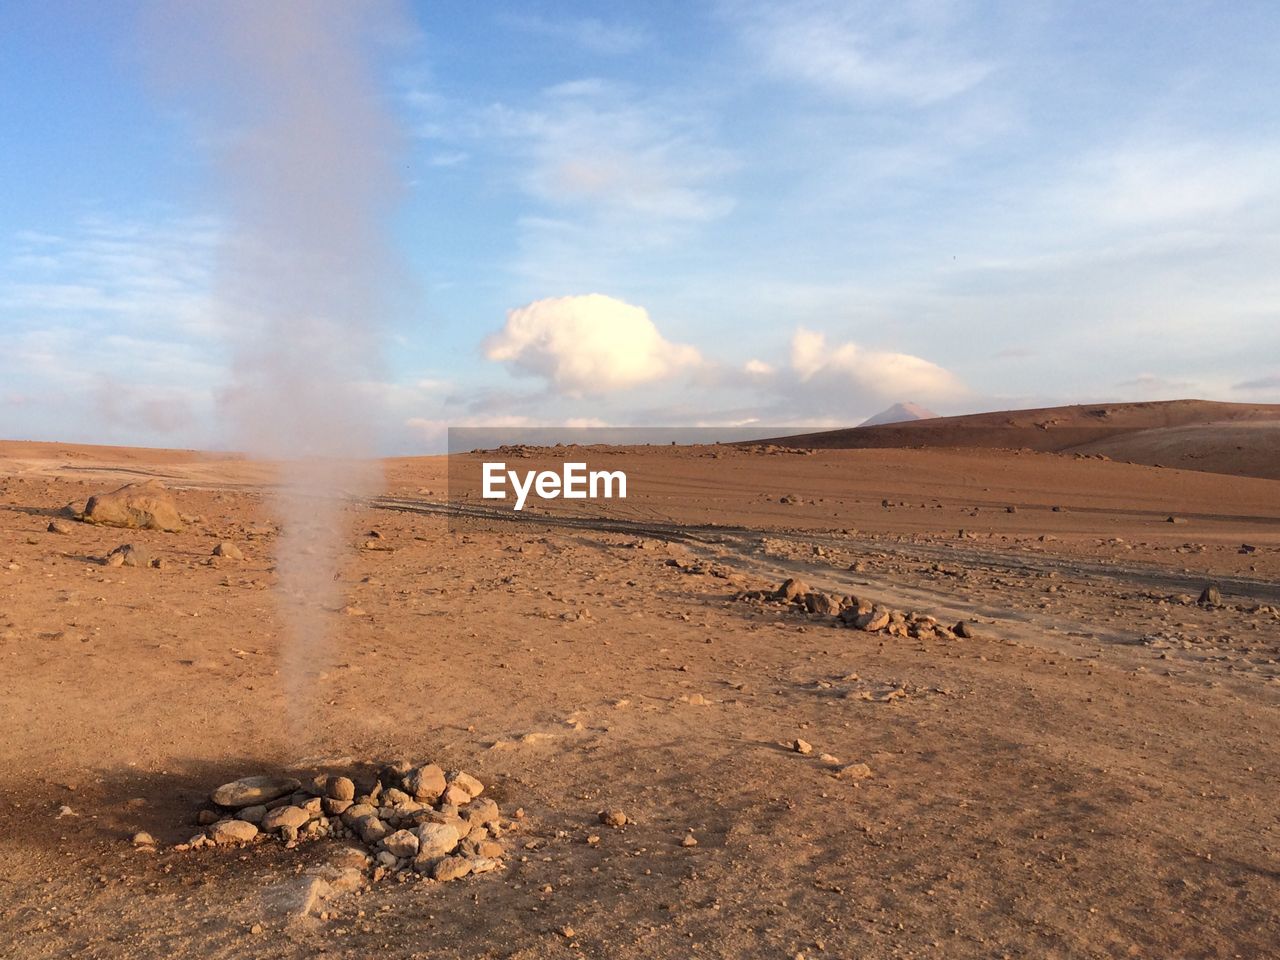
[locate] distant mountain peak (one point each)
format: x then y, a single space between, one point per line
899 413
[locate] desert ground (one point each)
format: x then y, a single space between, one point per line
1092 773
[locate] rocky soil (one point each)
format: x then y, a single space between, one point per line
705 767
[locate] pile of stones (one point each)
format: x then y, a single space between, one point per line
850 611
408 818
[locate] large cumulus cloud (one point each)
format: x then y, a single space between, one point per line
875 374
589 344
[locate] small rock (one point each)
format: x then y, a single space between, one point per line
226 832
963 629
287 816
613 818
340 788
393 774
483 811
228 550
349 857
253 814
143 839
371 829
803 747
60 527
299 896
792 588
436 840
426 782
248 791
127 555
689 841
855 771
391 797
467 782
357 812
343 879
455 795
335 808
873 620
822 604
484 864
402 843
1211 596
451 868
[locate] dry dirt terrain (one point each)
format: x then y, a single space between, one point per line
1093 773
1233 438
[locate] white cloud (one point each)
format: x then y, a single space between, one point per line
110 327
125 275
873 372
845 382
1165 183
588 344
590 145
893 52
448 158
589 33
1154 385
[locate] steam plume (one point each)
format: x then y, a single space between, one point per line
306 159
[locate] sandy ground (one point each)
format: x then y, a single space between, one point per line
1093 775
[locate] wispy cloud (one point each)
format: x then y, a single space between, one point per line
1166 181
913 52
588 33
111 325
595 146
1271 383
1154 385
126 274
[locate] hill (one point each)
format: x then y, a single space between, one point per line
1242 439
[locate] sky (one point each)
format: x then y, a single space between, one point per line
659 213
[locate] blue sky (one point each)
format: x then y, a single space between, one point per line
676 213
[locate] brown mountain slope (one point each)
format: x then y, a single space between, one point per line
1233 438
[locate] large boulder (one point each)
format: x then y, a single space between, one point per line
139 506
